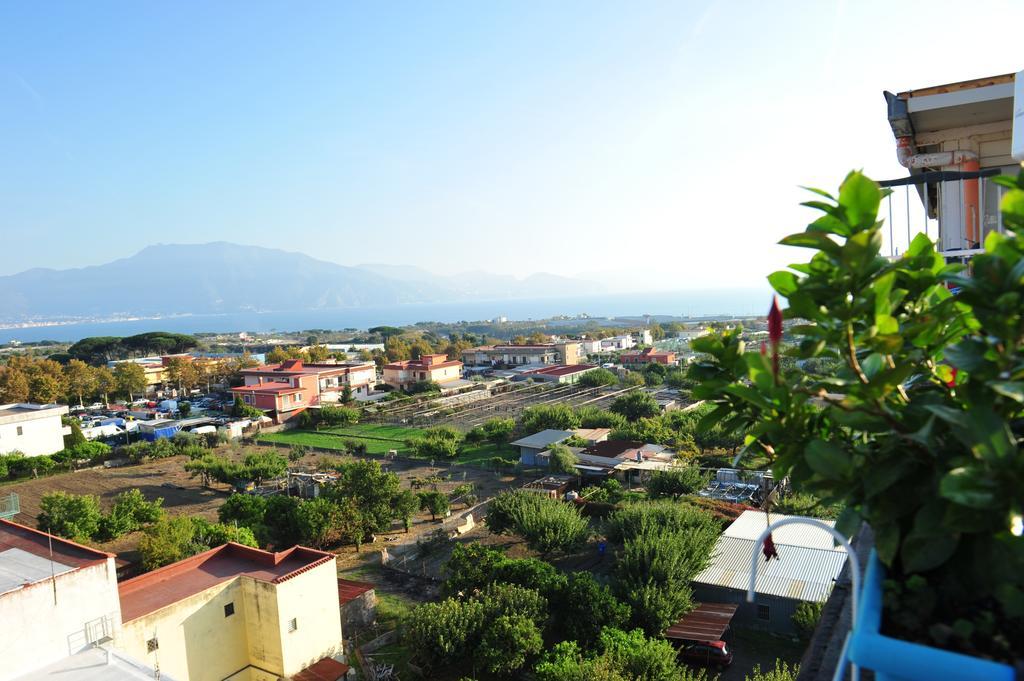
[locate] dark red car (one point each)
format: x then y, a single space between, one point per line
707 653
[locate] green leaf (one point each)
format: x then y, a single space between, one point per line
919 246
1012 389
827 459
991 435
783 282
759 369
848 522
750 395
969 487
829 224
926 551
967 355
887 541
860 197
812 240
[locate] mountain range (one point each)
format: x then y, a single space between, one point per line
221 277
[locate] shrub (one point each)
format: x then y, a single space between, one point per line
562 459
676 482
546 524
498 431
597 378
69 515
781 672
130 512
507 643
806 617
634 405
544 416
338 416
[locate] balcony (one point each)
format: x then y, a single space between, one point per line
10 506
957 210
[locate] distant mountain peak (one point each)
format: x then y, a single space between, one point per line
220 276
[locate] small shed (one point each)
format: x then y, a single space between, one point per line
805 570
531 446
358 602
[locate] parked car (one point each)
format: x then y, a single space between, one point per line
707 653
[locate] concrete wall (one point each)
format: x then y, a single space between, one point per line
39 631
311 599
42 434
197 641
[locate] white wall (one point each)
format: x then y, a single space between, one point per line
38 632
42 434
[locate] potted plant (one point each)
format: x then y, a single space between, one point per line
917 433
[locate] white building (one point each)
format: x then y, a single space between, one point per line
57 599
32 429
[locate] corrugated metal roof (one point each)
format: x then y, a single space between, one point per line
805 574
544 438
751 524
707 622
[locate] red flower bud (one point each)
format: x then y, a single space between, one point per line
775 322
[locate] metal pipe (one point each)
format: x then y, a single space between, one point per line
968 162
851 557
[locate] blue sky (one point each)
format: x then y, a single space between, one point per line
667 139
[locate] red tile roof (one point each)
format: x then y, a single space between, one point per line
349 590
327 669
162 587
562 369
416 365
66 552
267 388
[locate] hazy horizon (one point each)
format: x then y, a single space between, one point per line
571 138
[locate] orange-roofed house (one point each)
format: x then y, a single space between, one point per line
234 612
430 368
286 389
647 356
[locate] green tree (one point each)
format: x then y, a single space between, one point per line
635 405
439 442
548 416
805 618
781 672
73 516
639 657
676 481
262 466
584 607
507 643
130 512
240 409
435 502
80 379
546 524
370 488
75 438
562 459
439 634
498 430
405 504
247 510
597 378
106 383
320 522
130 378
168 541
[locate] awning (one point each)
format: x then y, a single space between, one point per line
707 623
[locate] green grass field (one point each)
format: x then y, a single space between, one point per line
376 430
370 434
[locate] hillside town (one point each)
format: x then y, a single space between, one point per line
830 489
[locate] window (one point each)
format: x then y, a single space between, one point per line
298 397
293 625
20 431
229 609
763 612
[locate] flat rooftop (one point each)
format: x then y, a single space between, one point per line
12 413
167 585
25 556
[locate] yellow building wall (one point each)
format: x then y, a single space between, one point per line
311 599
197 642
262 624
